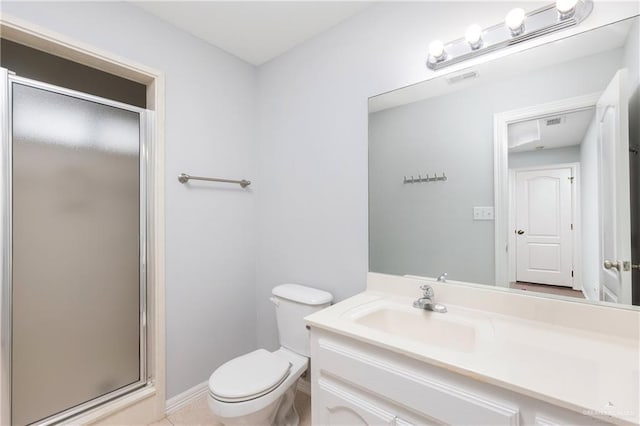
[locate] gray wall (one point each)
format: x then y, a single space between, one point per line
210 231
425 229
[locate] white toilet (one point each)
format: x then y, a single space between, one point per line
258 388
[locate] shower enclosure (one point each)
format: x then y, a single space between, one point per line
73 250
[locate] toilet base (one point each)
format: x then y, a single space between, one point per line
281 412
287 414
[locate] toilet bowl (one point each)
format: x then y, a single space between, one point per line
251 389
258 388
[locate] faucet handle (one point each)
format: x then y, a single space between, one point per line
428 291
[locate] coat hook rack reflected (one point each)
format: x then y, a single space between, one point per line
426 178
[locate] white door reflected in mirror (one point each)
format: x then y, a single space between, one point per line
543 205
615 221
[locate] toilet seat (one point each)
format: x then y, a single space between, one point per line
248 376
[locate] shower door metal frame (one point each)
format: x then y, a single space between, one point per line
146 129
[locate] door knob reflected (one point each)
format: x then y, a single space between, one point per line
612 265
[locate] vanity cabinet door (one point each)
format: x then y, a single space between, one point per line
425 393
342 404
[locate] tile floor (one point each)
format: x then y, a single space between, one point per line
197 413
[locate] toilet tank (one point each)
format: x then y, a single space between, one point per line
293 302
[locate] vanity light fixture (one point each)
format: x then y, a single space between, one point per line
436 51
474 36
517 27
515 21
566 8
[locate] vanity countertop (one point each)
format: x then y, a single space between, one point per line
585 371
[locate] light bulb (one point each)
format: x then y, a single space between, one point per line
515 21
566 8
436 49
474 36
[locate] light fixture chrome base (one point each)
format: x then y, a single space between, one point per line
542 21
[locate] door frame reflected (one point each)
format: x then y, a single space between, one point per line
502 194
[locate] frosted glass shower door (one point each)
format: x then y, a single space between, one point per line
77 251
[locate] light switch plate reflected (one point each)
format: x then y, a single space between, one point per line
483 213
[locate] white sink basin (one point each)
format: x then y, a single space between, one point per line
428 328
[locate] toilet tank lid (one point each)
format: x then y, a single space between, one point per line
302 294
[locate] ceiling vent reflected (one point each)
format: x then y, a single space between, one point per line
555 121
461 77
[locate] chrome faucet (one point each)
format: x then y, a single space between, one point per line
442 278
426 301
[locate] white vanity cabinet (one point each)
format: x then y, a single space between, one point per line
356 383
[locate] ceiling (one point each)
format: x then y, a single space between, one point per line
551 132
255 31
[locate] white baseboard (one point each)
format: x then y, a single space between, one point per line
185 398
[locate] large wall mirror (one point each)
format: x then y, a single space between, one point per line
521 172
